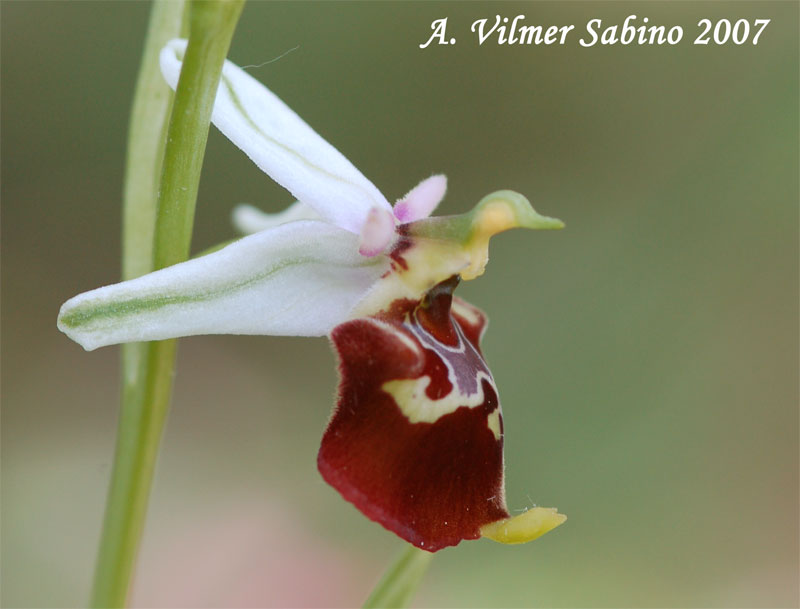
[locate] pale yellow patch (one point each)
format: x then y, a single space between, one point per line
478 259
429 262
410 397
496 217
493 422
524 527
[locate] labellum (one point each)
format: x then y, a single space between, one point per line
416 440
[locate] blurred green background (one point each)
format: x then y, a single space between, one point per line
646 356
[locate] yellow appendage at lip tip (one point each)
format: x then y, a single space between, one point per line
524 527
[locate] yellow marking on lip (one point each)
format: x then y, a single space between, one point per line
493 422
411 399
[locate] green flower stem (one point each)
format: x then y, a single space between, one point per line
152 102
149 368
212 26
398 585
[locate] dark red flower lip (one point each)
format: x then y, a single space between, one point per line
416 441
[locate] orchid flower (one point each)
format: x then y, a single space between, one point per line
416 438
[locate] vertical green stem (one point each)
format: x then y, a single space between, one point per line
398 585
211 29
149 368
146 137
152 102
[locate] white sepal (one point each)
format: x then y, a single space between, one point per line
284 146
248 219
301 279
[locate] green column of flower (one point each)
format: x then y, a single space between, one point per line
148 369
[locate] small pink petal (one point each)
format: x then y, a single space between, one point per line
422 200
376 233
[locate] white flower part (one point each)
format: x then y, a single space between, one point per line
248 219
422 200
298 279
301 272
284 146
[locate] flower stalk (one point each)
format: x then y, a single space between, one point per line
397 586
148 369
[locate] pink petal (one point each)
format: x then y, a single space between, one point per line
422 200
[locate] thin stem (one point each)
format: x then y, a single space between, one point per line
152 102
146 397
146 136
147 133
212 26
398 585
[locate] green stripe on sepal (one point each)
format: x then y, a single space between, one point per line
301 278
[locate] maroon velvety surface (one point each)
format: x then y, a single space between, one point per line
433 484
